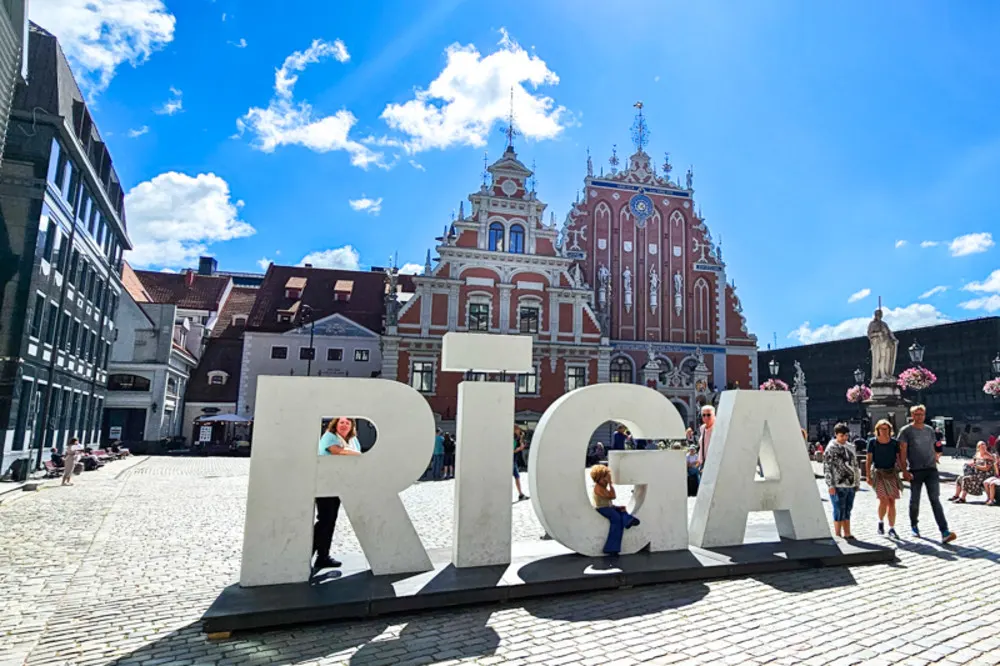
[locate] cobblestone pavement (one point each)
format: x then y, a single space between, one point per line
119 568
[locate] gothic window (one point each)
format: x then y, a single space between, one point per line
422 376
517 239
528 319
621 370
528 384
496 237
576 377
701 309
479 317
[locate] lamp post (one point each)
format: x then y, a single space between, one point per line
916 352
859 379
996 366
773 367
307 316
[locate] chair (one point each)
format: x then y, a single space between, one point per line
52 470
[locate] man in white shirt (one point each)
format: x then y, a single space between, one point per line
705 433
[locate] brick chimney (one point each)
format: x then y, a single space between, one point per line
189 278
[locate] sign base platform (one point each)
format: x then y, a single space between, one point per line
537 569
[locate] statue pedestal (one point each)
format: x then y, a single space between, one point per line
887 403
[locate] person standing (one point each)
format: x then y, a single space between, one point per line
921 451
449 456
437 459
840 470
518 447
618 439
705 433
882 467
340 439
69 462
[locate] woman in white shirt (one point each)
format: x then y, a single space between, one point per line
340 439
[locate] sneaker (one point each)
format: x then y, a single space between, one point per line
634 523
916 532
326 563
881 528
892 533
948 537
522 497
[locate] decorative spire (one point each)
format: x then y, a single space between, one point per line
534 179
461 210
552 219
486 169
427 263
640 131
453 218
590 163
613 160
509 131
667 166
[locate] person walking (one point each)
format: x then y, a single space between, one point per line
518 447
883 464
340 439
921 451
840 470
69 462
705 433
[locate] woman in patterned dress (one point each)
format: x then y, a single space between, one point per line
882 467
974 474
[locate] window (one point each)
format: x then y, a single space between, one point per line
335 354
37 316
171 386
527 384
361 355
218 377
479 317
475 376
50 332
279 352
83 211
64 331
107 355
127 383
576 377
54 163
50 240
422 376
496 237
239 320
621 370
73 265
307 353
517 239
74 338
101 228
529 320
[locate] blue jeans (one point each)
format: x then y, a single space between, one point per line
619 521
437 463
842 503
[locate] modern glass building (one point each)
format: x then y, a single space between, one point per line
960 354
62 233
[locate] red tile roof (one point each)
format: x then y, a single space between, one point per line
240 302
203 293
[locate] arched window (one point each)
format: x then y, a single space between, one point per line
621 370
701 310
517 239
496 237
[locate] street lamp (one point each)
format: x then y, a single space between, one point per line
859 379
773 366
996 365
916 352
307 316
859 376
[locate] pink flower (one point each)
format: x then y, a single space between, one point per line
992 388
916 379
859 393
774 385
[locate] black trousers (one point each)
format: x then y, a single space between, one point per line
327 509
929 479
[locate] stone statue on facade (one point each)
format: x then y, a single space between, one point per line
690 179
654 289
678 292
884 346
627 283
391 297
800 378
603 286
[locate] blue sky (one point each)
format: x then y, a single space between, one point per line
841 152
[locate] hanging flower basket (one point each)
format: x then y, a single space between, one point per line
774 385
859 393
992 388
916 379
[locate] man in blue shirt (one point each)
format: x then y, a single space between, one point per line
437 460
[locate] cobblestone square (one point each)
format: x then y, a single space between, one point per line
119 568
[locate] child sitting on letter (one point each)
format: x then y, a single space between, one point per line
620 519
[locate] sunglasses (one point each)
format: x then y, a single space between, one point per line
706 414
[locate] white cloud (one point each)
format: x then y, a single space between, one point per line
412 269
417 165
264 262
370 206
133 133
858 295
900 243
99 35
971 244
991 285
345 258
172 105
242 44
286 122
936 290
987 303
656 79
929 244
471 93
223 17
173 217
911 316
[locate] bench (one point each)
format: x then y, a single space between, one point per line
52 470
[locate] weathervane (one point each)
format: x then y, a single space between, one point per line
640 131
667 166
509 131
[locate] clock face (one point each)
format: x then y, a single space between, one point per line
641 207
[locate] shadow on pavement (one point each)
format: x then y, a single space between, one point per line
458 635
808 580
614 605
949 553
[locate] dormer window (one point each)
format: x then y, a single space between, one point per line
284 318
218 377
294 288
239 320
342 290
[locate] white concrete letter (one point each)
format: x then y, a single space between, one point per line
752 424
555 468
484 446
287 474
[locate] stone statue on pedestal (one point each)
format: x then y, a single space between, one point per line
884 346
627 282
